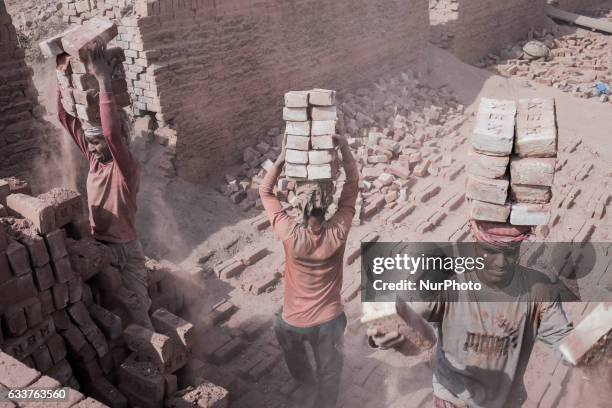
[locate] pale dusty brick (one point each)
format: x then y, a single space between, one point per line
84 82
587 333
536 131
530 194
67 204
296 142
16 374
323 127
298 128
295 114
480 210
487 166
75 42
296 170
40 213
296 99
498 106
378 158
251 256
297 156
321 156
489 190
402 172
371 173
56 243
321 97
323 113
532 171
530 214
322 142
181 331
422 169
320 171
204 395
89 113
52 47
494 130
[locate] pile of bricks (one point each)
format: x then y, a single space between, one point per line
63 304
310 125
79 88
578 61
79 11
523 195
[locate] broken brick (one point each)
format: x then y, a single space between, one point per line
37 211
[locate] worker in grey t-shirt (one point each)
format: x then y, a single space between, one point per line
484 345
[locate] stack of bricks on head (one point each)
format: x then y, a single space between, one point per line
523 194
64 308
79 88
311 123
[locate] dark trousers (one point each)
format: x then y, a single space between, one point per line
327 343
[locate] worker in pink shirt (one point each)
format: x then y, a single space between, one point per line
112 183
314 252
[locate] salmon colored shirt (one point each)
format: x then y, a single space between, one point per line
111 187
313 261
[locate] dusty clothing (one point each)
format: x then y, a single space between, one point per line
313 260
484 347
130 260
111 187
327 343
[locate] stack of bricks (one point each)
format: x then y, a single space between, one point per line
310 126
79 88
522 196
78 11
20 113
532 168
63 304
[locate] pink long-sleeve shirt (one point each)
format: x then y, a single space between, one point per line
112 186
313 260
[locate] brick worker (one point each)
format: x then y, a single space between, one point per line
483 346
112 183
314 251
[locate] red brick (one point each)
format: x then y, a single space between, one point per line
56 244
75 290
96 339
251 256
14 321
40 213
5 269
79 314
108 322
142 378
16 374
88 257
60 295
42 359
62 372
228 351
76 42
36 249
62 269
16 290
61 320
43 276
105 392
18 258
33 312
76 341
24 345
181 331
228 269
46 302
57 348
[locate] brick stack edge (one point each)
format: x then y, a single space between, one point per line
62 304
522 194
310 126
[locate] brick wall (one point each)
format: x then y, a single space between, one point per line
217 70
20 138
575 5
484 26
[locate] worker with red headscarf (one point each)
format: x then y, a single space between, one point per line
484 345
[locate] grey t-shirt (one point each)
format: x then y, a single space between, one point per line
484 347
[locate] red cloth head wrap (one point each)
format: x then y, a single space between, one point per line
500 235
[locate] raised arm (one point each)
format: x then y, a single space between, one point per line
109 115
282 224
69 122
346 205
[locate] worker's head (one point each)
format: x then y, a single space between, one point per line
499 245
96 144
313 199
